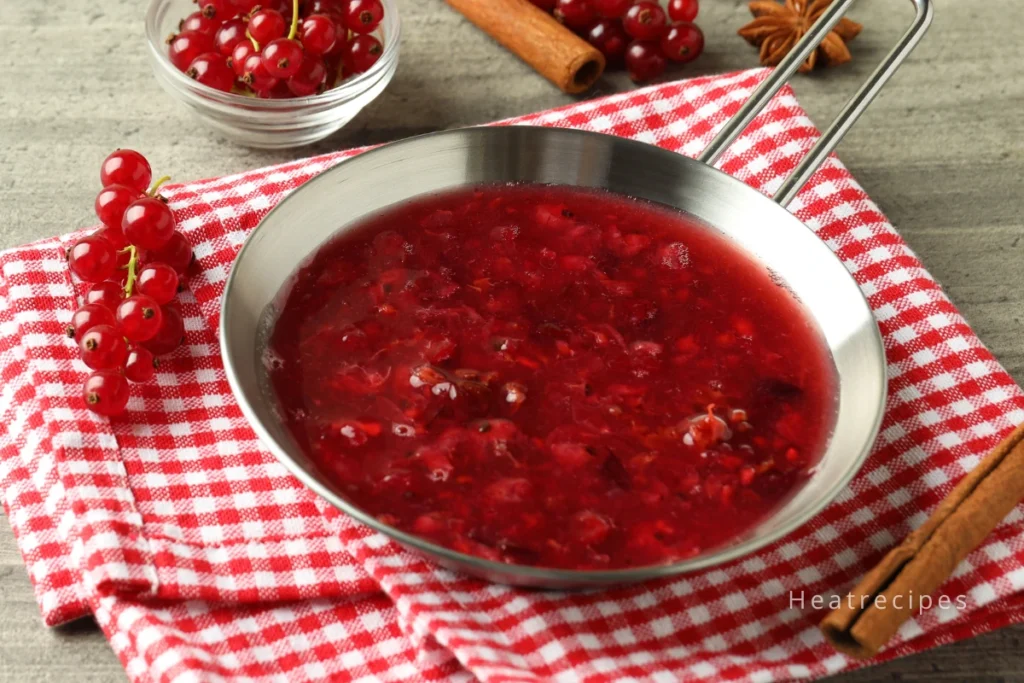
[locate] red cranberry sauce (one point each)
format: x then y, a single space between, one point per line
554 377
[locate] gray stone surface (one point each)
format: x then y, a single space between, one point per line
942 152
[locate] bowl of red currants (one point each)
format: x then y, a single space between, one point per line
274 73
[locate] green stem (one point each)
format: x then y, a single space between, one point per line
295 20
133 261
255 45
156 186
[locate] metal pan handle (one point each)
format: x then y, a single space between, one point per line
849 114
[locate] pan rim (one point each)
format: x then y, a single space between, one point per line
529 574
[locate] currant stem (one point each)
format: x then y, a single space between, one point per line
133 261
156 186
255 45
295 20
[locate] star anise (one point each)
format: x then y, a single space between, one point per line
777 27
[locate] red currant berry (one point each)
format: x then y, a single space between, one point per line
219 9
103 348
644 61
341 38
683 10
139 317
238 56
117 240
245 7
576 14
362 53
197 22
148 223
608 36
645 21
212 70
186 46
611 9
107 294
106 393
88 317
126 167
92 258
546 5
363 16
111 203
318 34
120 279
267 25
255 74
282 7
177 253
171 334
230 33
310 78
282 57
327 7
280 91
141 365
683 43
158 281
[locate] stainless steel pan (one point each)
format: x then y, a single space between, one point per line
365 185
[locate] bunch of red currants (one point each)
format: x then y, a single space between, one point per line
277 49
641 35
135 263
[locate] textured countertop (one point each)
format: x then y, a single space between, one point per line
941 151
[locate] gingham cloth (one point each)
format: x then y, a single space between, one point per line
203 559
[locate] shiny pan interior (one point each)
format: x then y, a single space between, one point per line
370 183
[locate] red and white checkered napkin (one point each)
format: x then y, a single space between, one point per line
203 559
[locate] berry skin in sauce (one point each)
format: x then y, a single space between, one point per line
553 377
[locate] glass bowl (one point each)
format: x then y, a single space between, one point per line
269 124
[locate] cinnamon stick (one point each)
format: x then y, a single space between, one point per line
927 557
537 38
